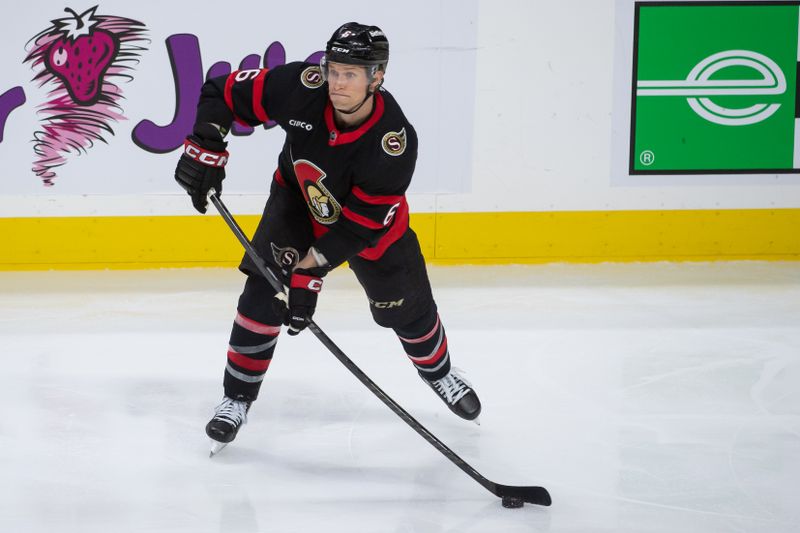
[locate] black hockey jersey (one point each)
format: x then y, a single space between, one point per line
353 181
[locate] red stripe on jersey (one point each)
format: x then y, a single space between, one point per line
256 327
397 230
374 199
434 357
228 94
360 220
258 94
336 137
256 365
424 337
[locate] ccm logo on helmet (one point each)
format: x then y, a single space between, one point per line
340 49
211 159
299 124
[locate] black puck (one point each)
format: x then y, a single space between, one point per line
512 502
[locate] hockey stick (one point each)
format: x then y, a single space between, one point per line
512 496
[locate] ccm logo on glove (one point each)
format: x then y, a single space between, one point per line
310 283
206 157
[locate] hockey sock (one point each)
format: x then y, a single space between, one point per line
252 342
426 347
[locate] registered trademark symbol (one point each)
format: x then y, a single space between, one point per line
647 158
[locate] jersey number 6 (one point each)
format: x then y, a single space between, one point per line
390 214
244 75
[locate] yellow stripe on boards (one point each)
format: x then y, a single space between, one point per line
593 236
71 243
447 238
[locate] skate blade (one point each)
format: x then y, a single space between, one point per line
216 447
477 420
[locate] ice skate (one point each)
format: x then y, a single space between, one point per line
229 416
457 393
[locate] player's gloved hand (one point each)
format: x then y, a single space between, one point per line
304 287
202 164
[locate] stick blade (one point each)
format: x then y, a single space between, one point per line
534 495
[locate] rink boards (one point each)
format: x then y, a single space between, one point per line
450 238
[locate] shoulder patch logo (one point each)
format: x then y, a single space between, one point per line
394 142
312 78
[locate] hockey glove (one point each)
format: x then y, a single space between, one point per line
202 164
304 288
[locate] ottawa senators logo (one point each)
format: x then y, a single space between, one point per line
285 258
394 142
312 78
323 206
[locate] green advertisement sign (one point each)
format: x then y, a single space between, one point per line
715 88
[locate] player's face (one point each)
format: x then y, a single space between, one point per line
347 85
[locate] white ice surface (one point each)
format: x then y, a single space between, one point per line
647 398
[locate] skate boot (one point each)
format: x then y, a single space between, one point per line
457 393
228 418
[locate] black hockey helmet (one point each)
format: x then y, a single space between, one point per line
358 44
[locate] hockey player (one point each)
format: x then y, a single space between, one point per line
337 195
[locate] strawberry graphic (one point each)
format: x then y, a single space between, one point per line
81 56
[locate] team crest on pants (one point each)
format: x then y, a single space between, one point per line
321 203
285 257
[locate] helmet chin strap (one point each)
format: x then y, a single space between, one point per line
356 108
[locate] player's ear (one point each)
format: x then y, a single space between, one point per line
377 81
